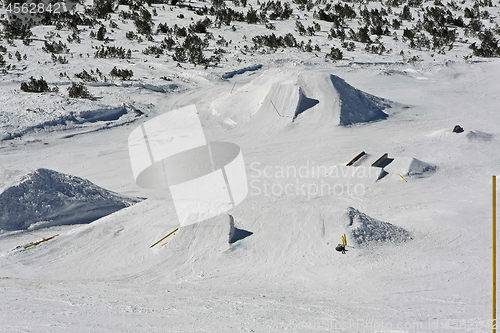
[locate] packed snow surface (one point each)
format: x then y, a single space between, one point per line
415 244
418 227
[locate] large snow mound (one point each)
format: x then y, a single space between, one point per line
46 198
470 135
358 106
365 230
277 95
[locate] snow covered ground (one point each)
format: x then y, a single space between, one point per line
419 228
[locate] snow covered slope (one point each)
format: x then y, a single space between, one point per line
420 259
29 113
286 266
47 198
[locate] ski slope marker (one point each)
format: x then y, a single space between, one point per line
43 240
275 108
164 237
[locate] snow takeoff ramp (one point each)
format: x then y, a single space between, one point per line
322 98
170 152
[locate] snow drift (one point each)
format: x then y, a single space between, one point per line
25 115
230 74
365 230
479 136
46 198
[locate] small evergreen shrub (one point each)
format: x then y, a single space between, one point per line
86 77
78 90
123 74
113 52
37 86
101 33
335 54
55 47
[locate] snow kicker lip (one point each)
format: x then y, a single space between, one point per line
170 152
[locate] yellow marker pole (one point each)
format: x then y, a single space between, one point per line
402 177
494 250
39 242
164 237
275 108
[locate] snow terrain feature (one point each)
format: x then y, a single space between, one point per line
47 198
25 116
409 167
365 230
357 106
290 93
479 136
399 80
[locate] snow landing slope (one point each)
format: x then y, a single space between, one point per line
118 245
46 198
285 93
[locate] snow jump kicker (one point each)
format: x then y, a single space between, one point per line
170 152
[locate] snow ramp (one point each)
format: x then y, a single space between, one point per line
409 167
284 97
280 96
247 101
358 106
118 245
289 243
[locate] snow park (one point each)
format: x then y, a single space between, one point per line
248 165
